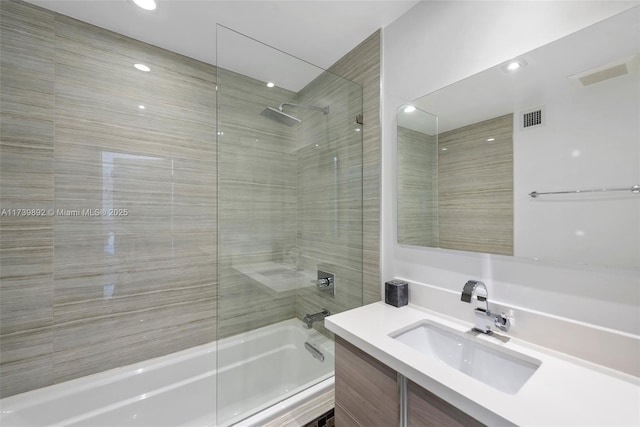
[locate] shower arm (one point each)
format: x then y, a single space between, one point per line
325 110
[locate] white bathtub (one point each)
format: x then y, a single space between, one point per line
260 375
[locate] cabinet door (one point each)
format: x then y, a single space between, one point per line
343 418
425 409
366 389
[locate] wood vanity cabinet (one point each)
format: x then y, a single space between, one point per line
425 409
366 389
367 395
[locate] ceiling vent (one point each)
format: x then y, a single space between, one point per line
533 117
608 71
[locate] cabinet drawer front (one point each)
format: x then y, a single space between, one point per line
425 409
365 387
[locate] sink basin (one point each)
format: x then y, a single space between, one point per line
500 368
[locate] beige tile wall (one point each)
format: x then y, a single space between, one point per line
277 226
475 187
362 65
417 188
83 294
257 188
26 182
330 193
142 285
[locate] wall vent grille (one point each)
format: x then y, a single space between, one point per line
531 118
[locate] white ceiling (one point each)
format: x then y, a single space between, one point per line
319 32
494 92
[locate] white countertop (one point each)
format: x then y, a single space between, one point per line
564 391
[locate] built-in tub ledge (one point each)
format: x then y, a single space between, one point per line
563 390
277 277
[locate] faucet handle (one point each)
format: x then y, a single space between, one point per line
323 282
503 322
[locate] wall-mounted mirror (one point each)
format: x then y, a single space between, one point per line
505 161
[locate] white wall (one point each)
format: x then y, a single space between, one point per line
590 140
439 43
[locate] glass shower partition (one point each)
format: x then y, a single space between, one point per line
289 138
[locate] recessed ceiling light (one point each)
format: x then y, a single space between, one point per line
357 129
142 67
514 65
146 4
490 139
444 149
220 133
409 109
317 145
271 84
142 107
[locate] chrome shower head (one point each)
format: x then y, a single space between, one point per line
279 116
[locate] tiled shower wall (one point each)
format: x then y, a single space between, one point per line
278 195
26 180
80 293
362 65
329 202
417 188
257 159
322 240
288 195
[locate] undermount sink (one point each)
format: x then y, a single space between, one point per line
499 368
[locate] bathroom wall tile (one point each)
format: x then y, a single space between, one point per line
245 304
143 284
475 187
26 360
183 81
146 318
80 293
83 348
26 182
340 231
362 65
330 205
257 201
26 301
417 181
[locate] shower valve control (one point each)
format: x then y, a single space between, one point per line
325 282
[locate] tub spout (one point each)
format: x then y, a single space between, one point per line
310 318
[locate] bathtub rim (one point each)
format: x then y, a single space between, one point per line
279 409
44 395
